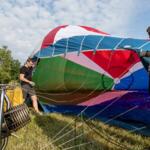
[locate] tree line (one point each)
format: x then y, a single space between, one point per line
9 67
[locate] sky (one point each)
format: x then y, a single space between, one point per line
24 23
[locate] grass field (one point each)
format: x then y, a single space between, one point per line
40 134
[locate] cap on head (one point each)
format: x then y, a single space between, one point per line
148 30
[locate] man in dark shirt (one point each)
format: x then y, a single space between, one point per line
27 84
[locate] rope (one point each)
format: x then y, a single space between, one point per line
71 122
107 138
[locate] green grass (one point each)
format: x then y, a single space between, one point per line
42 129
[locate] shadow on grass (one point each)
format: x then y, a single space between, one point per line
75 139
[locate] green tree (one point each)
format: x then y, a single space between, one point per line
9 67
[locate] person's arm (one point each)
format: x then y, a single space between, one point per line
22 78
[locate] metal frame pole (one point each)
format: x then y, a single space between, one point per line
4 97
1 111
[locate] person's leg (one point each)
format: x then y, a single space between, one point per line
35 102
24 92
34 99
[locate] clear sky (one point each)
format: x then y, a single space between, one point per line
24 23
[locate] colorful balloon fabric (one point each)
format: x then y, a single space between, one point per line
84 69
